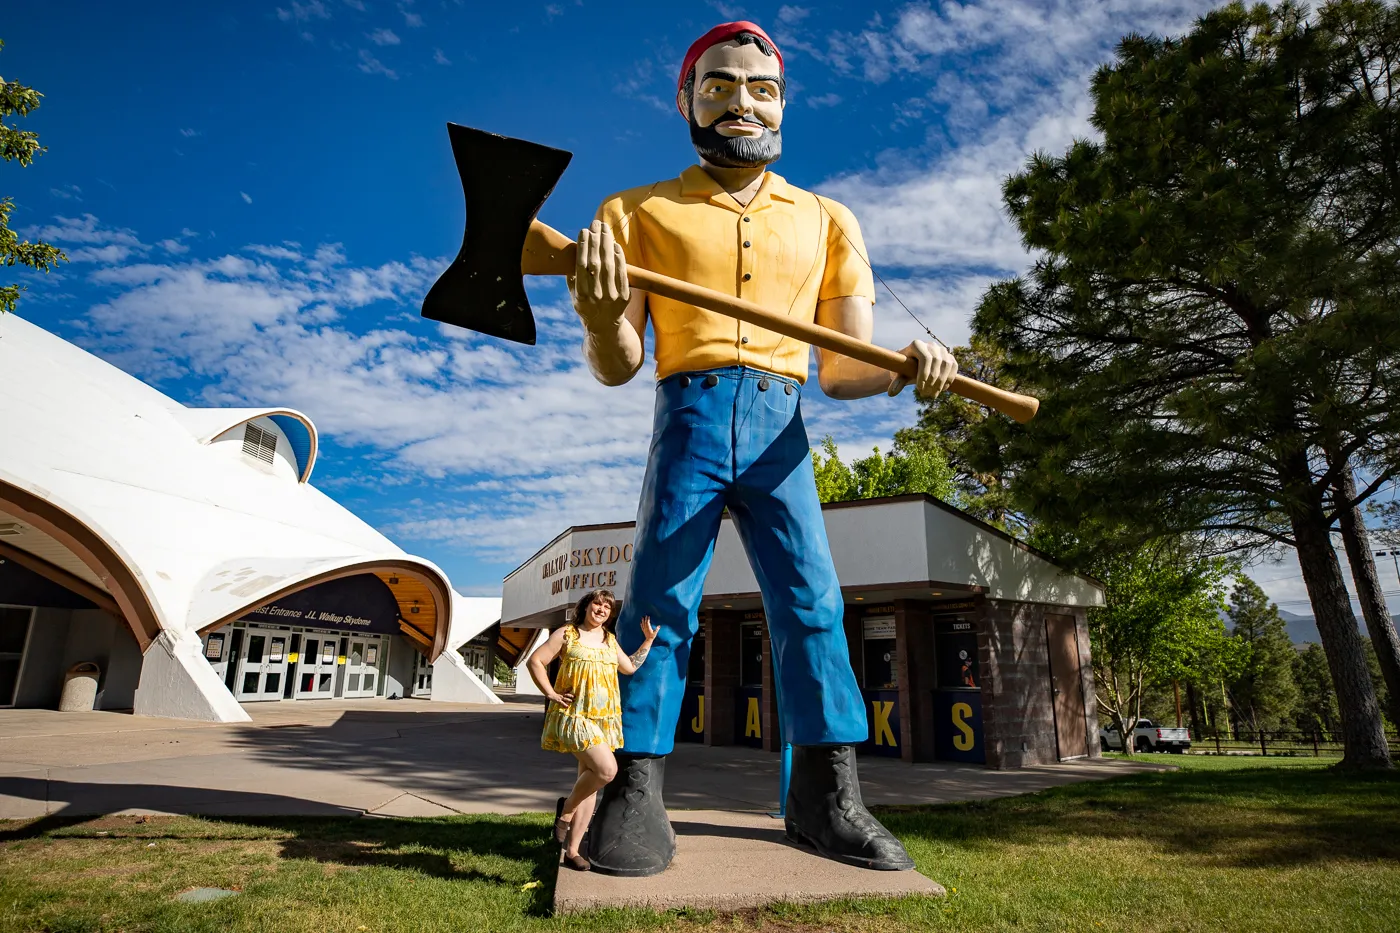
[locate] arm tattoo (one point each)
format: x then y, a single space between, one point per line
639 655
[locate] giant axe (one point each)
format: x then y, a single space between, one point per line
506 181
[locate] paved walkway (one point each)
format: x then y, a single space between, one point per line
404 758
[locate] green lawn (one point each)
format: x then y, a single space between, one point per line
1223 844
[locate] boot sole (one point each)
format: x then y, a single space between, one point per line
798 836
631 872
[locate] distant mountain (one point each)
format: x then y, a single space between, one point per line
1300 628
1303 629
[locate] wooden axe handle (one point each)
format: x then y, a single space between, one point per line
549 252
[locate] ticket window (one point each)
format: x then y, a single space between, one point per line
956 648
748 699
957 712
751 654
881 654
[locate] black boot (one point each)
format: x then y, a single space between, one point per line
630 834
824 810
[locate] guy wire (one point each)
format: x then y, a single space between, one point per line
882 278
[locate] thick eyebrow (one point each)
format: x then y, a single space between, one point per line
752 79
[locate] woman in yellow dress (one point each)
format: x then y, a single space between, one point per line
585 708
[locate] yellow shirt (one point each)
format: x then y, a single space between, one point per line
782 251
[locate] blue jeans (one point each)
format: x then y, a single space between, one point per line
739 443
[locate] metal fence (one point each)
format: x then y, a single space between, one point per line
1294 744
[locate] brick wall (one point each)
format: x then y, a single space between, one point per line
1017 713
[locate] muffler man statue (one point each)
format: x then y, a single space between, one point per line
728 433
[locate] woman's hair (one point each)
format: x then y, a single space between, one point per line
586 602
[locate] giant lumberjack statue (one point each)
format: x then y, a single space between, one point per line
728 434
739 273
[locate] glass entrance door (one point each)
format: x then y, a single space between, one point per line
422 676
316 667
14 635
263 666
362 660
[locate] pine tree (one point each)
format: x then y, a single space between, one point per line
1316 712
1212 324
1264 692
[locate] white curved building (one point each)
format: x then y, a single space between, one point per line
184 552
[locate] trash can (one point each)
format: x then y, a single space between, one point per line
79 688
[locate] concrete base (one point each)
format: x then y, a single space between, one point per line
727 860
178 683
454 682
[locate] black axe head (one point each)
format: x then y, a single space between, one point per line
505 181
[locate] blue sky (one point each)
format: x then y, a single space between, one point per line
255 196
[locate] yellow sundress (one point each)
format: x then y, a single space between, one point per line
595 715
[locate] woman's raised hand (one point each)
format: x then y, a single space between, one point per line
648 630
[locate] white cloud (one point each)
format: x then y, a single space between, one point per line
247 198
67 192
383 37
824 100
303 12
949 214
373 66
507 441
173 247
440 58
96 243
187 132
1000 80
355 5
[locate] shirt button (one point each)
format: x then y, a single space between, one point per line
711 381
746 220
747 244
763 385
743 340
747 276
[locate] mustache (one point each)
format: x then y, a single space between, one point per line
738 118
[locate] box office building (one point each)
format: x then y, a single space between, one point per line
968 645
185 555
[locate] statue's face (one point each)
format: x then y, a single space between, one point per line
737 107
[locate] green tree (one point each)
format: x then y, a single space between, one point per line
1317 701
951 422
1263 691
1211 326
1161 613
915 465
20 146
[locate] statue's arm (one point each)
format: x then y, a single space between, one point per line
840 376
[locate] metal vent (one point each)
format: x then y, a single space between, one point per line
259 444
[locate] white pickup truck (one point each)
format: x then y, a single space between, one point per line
1147 737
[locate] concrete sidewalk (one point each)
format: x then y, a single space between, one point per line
403 758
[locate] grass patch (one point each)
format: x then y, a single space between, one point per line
1223 844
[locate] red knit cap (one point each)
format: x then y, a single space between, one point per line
721 33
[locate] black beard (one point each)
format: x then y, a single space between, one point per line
735 151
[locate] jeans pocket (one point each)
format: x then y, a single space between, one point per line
779 399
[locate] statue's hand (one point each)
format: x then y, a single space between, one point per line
599 283
937 367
